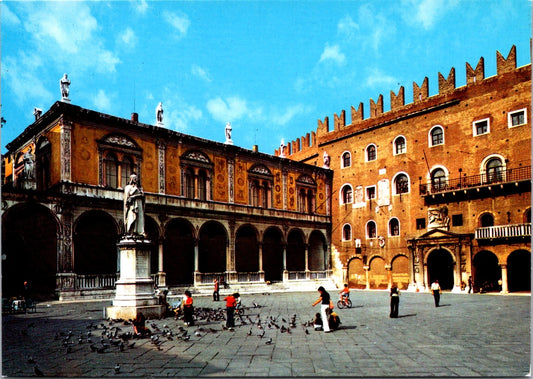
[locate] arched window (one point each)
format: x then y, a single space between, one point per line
527 216
436 136
202 185
401 184
400 145
347 194
371 153
486 220
494 169
347 232
394 227
438 180
189 183
346 159
310 202
371 231
255 193
126 171
111 170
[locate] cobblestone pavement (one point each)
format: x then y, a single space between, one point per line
469 335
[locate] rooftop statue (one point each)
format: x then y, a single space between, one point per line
64 84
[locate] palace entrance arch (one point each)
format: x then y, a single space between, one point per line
486 271
356 274
377 275
178 253
246 249
317 252
273 255
212 246
519 271
29 247
295 251
440 267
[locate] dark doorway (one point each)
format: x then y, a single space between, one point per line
295 251
152 231
246 250
440 267
29 247
317 252
273 255
178 253
212 248
487 272
519 271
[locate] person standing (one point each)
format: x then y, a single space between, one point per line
216 294
188 309
470 284
435 288
324 301
231 303
394 301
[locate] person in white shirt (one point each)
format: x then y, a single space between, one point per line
435 288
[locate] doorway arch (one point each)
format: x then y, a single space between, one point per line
212 244
317 251
356 274
487 271
29 249
246 249
519 271
178 252
295 251
377 275
273 255
440 266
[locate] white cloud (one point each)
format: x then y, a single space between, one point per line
347 28
102 102
201 73
76 44
285 117
8 17
333 53
140 6
128 37
377 78
230 109
180 22
426 12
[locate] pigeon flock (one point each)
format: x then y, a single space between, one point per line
117 336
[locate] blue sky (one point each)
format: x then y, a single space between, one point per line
271 68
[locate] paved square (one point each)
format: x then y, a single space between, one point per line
469 335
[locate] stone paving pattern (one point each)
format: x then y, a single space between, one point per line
469 335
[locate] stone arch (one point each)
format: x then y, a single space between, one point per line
247 249
317 251
296 250
486 271
400 271
377 274
178 252
212 246
440 264
29 250
519 271
356 273
273 254
95 243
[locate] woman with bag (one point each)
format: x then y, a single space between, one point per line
324 301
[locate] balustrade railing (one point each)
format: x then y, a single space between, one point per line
95 281
503 231
497 177
248 277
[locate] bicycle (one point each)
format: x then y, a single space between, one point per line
344 302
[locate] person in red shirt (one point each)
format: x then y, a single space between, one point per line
188 309
216 294
231 303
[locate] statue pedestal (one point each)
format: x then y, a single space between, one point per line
135 288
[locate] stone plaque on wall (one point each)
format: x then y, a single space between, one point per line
383 192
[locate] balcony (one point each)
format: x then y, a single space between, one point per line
503 232
503 182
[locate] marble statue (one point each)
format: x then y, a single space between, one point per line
228 134
438 218
64 84
159 113
28 160
282 149
133 208
326 159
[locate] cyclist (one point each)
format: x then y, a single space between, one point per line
345 293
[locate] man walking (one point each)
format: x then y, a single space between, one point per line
435 288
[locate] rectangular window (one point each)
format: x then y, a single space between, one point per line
420 223
371 193
516 118
481 127
457 220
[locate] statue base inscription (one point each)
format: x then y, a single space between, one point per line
135 288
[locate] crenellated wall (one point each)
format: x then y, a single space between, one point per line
305 146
